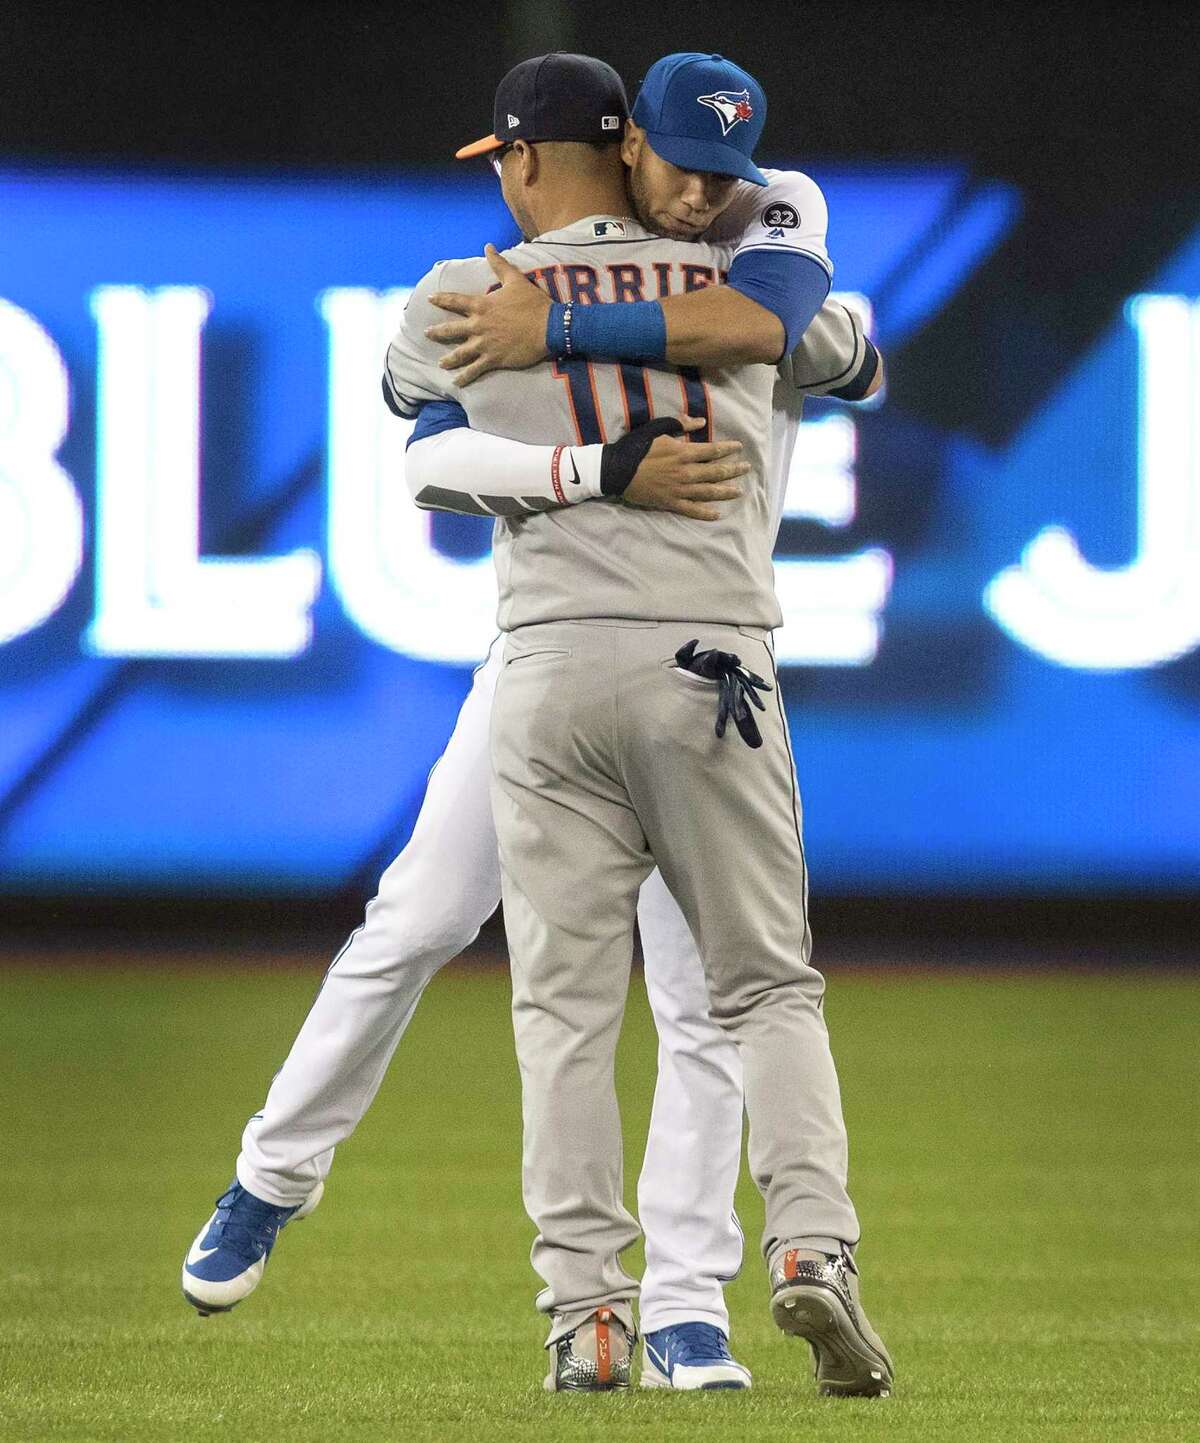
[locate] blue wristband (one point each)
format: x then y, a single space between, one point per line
624 331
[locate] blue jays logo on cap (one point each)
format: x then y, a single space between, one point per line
731 107
680 95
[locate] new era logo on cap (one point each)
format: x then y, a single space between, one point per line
731 106
513 119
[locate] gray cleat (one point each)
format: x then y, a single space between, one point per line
594 1358
818 1300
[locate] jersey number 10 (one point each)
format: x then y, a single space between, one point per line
579 377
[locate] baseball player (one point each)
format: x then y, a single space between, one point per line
601 760
431 903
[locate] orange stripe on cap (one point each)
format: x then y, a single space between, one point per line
479 147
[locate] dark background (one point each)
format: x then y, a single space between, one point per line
1091 110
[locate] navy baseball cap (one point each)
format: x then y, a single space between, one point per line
555 97
703 112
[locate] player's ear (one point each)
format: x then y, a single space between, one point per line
527 161
631 143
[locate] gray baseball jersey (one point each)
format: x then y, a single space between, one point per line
478 474
602 559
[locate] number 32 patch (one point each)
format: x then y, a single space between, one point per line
781 215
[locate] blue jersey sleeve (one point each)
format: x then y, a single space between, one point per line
435 417
789 284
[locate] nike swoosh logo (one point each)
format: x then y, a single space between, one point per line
197 1254
574 468
662 1361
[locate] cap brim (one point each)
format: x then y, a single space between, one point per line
479 147
706 155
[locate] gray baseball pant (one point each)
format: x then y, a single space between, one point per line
605 762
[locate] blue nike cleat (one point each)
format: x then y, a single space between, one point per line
226 1262
689 1356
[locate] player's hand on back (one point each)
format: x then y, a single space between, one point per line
687 477
504 330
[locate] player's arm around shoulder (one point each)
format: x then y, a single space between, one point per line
779 277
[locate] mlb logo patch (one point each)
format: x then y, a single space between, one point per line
608 228
730 106
610 122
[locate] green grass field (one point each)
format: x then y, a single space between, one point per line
1024 1153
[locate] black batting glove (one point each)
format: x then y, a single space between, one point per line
619 460
735 687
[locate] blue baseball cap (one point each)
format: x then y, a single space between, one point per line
703 112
